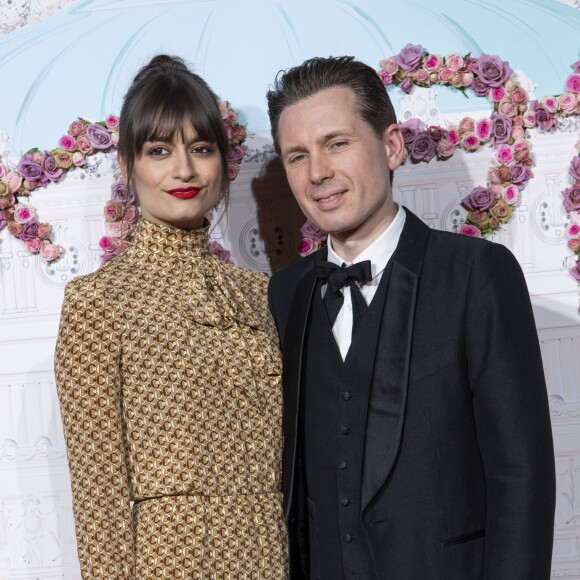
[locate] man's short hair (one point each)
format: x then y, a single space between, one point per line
318 74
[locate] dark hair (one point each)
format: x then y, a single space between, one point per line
318 74
163 96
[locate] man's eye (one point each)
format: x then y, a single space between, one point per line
339 144
297 158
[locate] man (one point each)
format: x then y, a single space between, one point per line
417 435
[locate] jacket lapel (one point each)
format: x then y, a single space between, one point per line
293 347
388 395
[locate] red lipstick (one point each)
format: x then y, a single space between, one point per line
184 192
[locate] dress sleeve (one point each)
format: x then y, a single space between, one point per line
88 380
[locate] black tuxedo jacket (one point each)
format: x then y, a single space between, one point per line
458 469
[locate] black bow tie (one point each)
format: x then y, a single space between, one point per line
336 278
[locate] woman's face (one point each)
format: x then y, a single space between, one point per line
179 181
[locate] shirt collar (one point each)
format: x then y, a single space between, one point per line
380 251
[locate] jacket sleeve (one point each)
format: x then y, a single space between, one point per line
88 381
512 419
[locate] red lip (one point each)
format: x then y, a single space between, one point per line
184 192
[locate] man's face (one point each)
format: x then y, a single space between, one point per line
337 167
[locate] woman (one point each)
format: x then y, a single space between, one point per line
168 369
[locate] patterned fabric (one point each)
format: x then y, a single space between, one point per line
169 380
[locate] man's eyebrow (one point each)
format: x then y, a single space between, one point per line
323 139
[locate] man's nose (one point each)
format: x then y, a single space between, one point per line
320 168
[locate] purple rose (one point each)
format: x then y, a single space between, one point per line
521 173
29 169
423 147
576 66
237 154
544 118
492 70
572 197
50 167
410 56
99 137
501 129
480 199
29 231
575 167
479 87
121 193
409 131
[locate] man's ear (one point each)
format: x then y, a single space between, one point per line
123 167
394 146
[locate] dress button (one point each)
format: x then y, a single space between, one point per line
347 538
342 464
344 429
345 501
346 395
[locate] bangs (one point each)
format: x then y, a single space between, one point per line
165 111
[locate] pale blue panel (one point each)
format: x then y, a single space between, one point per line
81 60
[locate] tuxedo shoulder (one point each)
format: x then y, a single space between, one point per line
289 276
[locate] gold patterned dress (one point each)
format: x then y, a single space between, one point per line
169 380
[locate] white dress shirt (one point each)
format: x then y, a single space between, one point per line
379 253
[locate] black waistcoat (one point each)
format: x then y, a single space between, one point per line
334 417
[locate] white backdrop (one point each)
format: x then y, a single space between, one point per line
36 524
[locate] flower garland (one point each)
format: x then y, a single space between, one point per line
36 169
122 213
507 130
572 204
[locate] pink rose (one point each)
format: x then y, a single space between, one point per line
44 231
469 230
470 141
574 231
33 246
308 246
14 228
231 117
67 143
518 121
518 96
510 194
445 148
521 151
574 244
453 136
454 61
456 80
63 158
467 79
237 134
14 181
115 138
84 145
551 103
131 214
505 154
233 170
507 108
421 77
387 79
497 190
112 122
30 185
573 83
518 133
37 157
24 213
77 128
78 159
497 94
433 62
312 231
4 204
223 107
483 130
120 229
501 210
113 211
466 125
445 74
106 243
530 119
50 252
568 103
389 66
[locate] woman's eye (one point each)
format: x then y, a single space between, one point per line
203 149
155 151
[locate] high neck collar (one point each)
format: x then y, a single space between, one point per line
170 241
